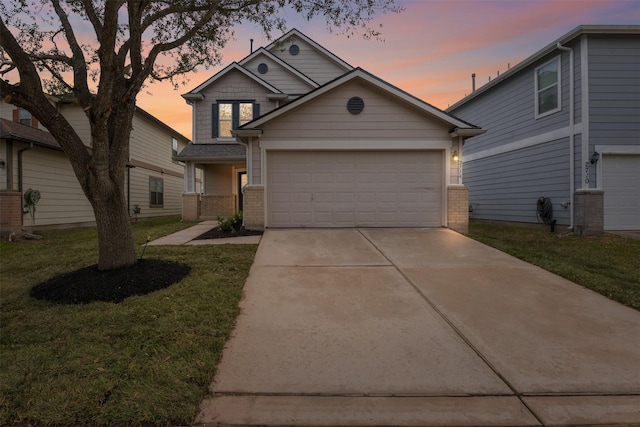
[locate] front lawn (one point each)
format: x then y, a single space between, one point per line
607 264
145 361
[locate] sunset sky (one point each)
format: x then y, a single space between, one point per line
430 50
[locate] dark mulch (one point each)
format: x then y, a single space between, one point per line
90 284
219 234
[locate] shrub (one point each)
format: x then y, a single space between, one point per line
232 224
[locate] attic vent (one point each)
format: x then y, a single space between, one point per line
263 68
294 49
355 105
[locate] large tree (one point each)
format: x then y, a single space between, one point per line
103 51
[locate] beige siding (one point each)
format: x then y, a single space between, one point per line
62 201
153 144
5 170
78 120
309 61
278 76
140 194
219 180
233 86
256 161
382 119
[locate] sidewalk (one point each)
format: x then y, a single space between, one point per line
186 236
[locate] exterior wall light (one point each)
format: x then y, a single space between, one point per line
455 156
595 157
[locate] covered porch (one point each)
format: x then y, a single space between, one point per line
224 173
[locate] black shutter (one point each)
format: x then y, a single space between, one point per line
235 114
214 120
256 111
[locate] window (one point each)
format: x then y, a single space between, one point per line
174 149
22 116
156 192
229 115
548 88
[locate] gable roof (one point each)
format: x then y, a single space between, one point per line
460 126
218 152
553 46
295 33
285 65
234 66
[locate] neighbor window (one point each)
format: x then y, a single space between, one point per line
22 116
229 115
548 88
156 192
174 149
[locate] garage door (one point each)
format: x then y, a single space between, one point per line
621 185
354 188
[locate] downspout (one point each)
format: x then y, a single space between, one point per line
572 132
20 178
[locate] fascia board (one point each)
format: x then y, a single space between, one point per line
227 69
285 65
360 73
325 52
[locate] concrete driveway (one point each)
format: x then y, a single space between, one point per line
420 327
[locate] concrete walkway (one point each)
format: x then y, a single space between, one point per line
420 328
186 236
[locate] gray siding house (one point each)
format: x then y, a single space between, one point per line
563 139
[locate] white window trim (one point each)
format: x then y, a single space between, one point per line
536 90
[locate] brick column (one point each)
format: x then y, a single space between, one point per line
589 212
253 207
190 207
10 212
458 208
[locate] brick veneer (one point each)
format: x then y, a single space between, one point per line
10 212
589 212
458 208
190 207
217 206
253 207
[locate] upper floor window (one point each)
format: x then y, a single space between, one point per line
24 117
229 115
548 88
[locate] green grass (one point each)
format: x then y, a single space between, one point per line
607 264
145 361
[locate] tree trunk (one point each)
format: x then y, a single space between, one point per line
115 238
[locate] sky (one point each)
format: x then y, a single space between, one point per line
430 50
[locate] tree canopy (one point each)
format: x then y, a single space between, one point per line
102 52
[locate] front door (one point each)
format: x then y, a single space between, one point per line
242 181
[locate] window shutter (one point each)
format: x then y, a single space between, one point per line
214 120
256 111
34 122
235 113
16 115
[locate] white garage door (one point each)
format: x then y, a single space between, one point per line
354 188
621 185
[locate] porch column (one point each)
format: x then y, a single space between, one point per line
189 177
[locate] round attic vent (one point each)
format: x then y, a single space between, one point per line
294 49
263 68
355 105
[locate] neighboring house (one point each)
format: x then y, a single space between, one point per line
295 137
564 125
32 160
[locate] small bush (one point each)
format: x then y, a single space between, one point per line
231 224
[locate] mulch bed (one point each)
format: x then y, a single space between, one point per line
219 234
90 284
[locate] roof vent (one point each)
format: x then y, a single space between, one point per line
263 68
294 49
355 105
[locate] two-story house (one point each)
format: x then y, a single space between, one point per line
294 136
563 135
38 188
